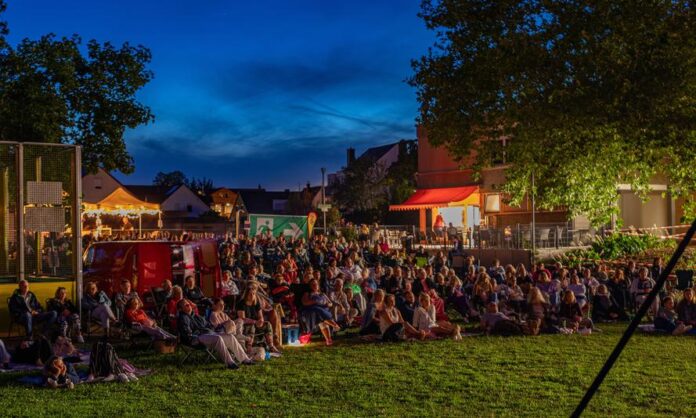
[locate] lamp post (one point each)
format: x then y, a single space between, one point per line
323 197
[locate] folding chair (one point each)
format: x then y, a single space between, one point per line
197 354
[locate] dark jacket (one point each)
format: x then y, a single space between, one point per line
54 304
191 326
20 305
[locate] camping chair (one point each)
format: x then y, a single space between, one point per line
160 304
195 354
12 321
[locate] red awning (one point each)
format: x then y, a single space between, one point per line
438 198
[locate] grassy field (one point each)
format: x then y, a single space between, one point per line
479 376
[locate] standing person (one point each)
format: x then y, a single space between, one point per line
26 309
98 304
67 314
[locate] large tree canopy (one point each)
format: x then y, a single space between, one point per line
590 94
59 90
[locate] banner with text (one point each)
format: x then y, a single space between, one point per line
290 226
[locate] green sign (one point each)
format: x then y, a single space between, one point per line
290 226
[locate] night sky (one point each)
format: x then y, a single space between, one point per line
250 93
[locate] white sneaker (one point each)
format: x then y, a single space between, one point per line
132 377
70 385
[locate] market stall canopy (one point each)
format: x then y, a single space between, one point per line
439 198
121 202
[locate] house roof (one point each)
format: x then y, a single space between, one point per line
261 200
149 193
375 153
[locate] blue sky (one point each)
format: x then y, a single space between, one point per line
250 93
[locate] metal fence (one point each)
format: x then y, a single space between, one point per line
39 210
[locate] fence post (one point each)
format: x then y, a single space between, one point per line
20 211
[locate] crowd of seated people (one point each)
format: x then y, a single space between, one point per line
323 286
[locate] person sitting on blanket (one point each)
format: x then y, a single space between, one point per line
194 329
491 317
424 321
666 319
140 321
67 313
26 309
392 325
4 356
604 306
370 320
318 303
686 308
59 374
570 313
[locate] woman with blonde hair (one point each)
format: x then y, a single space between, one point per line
424 320
537 310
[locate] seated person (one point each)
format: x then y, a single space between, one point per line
604 306
228 288
370 320
341 309
538 311
4 356
36 351
163 294
392 326
194 329
223 324
491 318
667 320
172 305
250 311
641 287
123 296
194 293
424 321
570 313
318 303
686 308
407 306
26 309
59 374
98 304
68 316
138 319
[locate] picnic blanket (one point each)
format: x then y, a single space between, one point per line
38 380
22 367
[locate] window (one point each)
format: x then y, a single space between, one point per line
98 183
279 205
189 208
493 203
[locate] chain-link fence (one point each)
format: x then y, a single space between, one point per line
42 181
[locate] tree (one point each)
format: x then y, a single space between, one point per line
401 176
203 186
50 91
590 94
170 179
362 191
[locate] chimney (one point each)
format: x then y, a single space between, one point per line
351 156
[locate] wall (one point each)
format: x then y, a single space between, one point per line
90 193
654 212
181 198
42 290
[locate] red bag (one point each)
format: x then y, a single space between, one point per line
305 338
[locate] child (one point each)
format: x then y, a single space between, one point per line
666 319
58 374
537 311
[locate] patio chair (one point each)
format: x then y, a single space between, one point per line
195 354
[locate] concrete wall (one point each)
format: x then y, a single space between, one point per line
636 213
42 290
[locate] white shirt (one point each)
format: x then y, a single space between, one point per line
423 319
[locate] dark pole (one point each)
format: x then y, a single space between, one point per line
634 323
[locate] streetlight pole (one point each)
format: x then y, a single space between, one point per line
323 197
533 217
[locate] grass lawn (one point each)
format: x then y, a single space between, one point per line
480 376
